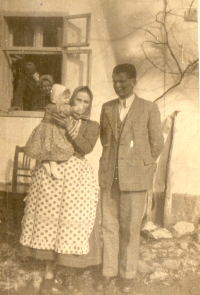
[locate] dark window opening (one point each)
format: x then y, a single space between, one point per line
23 31
52 32
45 65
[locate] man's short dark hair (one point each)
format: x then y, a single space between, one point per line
128 69
30 58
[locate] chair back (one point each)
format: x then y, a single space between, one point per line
21 170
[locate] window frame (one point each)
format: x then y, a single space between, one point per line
88 29
88 52
7 49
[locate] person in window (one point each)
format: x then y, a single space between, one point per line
61 219
46 84
28 88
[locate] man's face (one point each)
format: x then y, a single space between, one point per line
30 68
123 85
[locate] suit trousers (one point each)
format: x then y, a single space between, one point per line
122 214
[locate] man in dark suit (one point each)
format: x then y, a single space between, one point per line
27 93
132 140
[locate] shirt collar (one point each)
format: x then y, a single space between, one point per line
36 76
128 101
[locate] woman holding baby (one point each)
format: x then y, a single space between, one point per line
59 223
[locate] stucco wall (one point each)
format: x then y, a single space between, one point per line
14 131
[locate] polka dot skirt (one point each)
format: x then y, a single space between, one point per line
60 214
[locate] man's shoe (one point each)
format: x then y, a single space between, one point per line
126 285
102 283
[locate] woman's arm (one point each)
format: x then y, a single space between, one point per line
86 138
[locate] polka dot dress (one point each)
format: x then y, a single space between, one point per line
60 214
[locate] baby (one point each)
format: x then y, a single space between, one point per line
48 142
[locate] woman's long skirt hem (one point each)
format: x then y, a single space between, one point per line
79 261
94 257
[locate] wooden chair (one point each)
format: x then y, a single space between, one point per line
21 171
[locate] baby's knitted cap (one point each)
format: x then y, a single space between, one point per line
57 91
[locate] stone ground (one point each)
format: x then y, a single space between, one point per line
166 266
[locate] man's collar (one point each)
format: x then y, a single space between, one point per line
128 101
36 76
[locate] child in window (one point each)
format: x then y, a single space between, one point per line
48 142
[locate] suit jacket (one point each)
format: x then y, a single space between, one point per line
27 93
135 152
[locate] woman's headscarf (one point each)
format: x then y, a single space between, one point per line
86 115
46 77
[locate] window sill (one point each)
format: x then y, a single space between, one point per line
29 114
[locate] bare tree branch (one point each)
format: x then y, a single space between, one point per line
191 4
179 82
167 32
150 33
155 65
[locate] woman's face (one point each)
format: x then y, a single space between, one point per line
46 87
82 99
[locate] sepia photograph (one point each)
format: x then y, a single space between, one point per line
99 147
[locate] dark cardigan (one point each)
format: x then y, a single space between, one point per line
86 139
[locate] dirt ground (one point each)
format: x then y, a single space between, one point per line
23 275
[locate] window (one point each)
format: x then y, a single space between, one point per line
57 42
23 32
